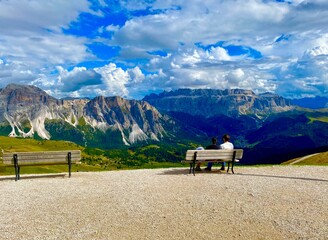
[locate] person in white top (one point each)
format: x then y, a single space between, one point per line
225 145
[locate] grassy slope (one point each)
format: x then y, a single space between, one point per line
319 159
93 159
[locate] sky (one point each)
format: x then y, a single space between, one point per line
131 48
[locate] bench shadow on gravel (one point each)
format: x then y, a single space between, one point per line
181 171
185 171
24 177
283 177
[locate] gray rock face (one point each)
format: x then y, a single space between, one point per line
138 119
26 108
208 102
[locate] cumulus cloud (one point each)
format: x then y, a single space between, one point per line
136 75
212 68
32 38
203 21
112 28
278 46
15 72
114 79
76 79
306 76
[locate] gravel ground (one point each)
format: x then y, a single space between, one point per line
277 202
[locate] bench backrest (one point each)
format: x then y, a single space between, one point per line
41 158
222 154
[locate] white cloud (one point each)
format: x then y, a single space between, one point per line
136 75
291 37
114 79
112 28
76 79
32 40
203 21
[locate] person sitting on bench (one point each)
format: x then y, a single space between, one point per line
212 146
225 145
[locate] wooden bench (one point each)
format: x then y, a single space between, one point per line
18 159
224 155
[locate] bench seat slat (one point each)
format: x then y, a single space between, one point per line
40 164
41 158
37 158
40 161
223 154
50 153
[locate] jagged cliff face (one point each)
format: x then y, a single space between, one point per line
136 120
208 103
27 108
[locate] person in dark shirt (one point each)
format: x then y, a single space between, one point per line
213 146
225 145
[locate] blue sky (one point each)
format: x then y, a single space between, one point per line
131 48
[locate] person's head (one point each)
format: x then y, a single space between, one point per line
214 140
226 138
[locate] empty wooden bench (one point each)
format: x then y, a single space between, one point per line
18 159
229 156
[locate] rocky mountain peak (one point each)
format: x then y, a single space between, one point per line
25 94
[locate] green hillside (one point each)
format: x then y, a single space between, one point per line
94 159
8 144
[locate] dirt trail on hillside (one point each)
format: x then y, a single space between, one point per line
302 158
278 202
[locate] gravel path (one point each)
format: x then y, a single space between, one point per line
278 202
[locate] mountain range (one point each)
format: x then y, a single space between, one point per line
29 111
209 102
269 127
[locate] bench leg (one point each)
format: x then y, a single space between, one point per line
69 158
16 167
233 162
16 173
194 163
192 168
228 167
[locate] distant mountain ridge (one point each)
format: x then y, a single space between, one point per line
27 109
210 102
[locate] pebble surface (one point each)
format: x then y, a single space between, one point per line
275 202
